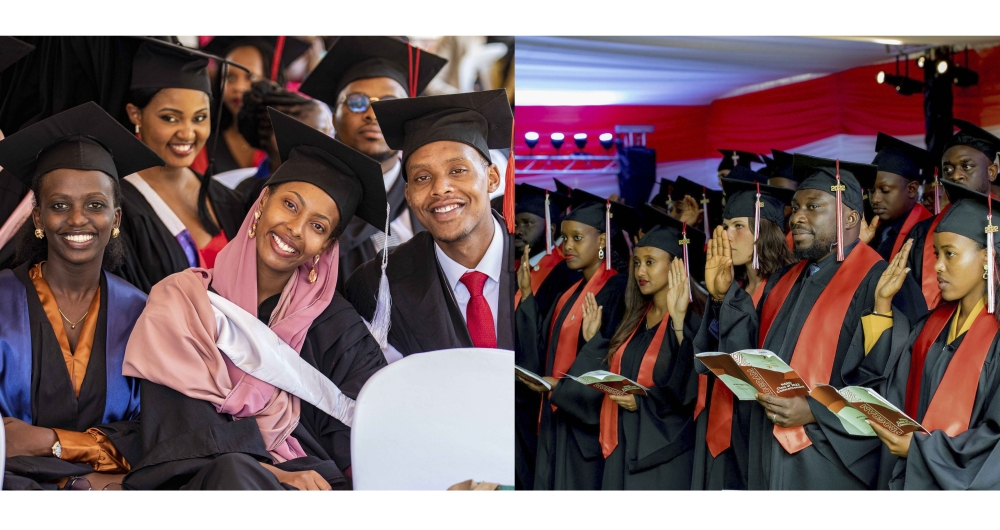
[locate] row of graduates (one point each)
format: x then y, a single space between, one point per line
106 386
821 297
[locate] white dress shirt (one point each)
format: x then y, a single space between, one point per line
401 226
534 260
491 265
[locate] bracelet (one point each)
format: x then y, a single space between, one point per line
677 330
880 314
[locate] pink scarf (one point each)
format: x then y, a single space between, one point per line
178 313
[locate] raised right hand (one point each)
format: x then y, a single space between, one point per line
692 211
591 317
868 229
892 280
524 273
719 264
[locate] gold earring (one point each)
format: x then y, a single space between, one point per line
115 232
39 233
313 275
253 228
600 253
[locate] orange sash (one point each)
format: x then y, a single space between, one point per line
813 359
917 213
928 280
569 331
609 409
544 267
950 410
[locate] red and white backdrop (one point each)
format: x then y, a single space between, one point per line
836 115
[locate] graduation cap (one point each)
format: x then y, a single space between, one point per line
837 178
84 138
12 50
159 64
352 179
652 216
598 212
684 186
782 166
976 138
543 203
971 215
745 174
675 238
732 158
292 47
768 165
353 58
562 188
901 158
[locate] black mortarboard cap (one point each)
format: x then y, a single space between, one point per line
967 214
12 50
652 216
482 120
745 174
816 173
768 165
353 180
975 137
782 166
531 199
291 50
589 209
742 158
901 158
84 137
562 188
160 64
741 194
353 58
668 236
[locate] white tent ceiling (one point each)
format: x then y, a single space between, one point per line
688 70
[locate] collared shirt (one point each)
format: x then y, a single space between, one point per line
401 226
815 266
533 261
491 265
954 331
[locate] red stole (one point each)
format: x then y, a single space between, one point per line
917 213
789 241
950 410
928 280
719 432
609 409
813 359
545 266
569 331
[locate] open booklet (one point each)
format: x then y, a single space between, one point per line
855 404
748 372
532 376
609 383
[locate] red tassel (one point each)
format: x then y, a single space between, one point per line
684 246
607 236
838 188
756 227
414 69
548 225
508 190
990 258
279 48
937 193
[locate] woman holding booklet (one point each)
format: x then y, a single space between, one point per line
948 375
269 309
648 440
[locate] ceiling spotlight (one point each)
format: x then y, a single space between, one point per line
557 140
880 78
942 66
531 138
607 139
580 139
964 77
921 61
908 86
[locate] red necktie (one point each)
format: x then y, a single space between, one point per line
478 317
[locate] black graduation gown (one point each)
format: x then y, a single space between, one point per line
727 471
425 315
655 442
886 236
526 400
151 252
836 459
569 454
188 445
920 235
937 461
356 247
53 403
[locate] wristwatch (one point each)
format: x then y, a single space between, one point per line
57 449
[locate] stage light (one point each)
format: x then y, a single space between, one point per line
964 77
880 78
557 140
921 61
907 86
531 138
942 66
580 139
607 140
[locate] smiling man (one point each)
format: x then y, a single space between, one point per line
811 318
453 285
356 72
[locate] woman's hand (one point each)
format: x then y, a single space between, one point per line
692 210
786 412
626 402
24 439
524 273
892 280
868 230
719 264
591 317
678 290
531 384
308 480
898 445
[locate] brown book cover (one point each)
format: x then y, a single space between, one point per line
610 383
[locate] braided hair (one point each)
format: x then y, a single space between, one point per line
253 122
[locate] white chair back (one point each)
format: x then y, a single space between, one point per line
435 419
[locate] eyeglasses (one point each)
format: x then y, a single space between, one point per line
359 103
